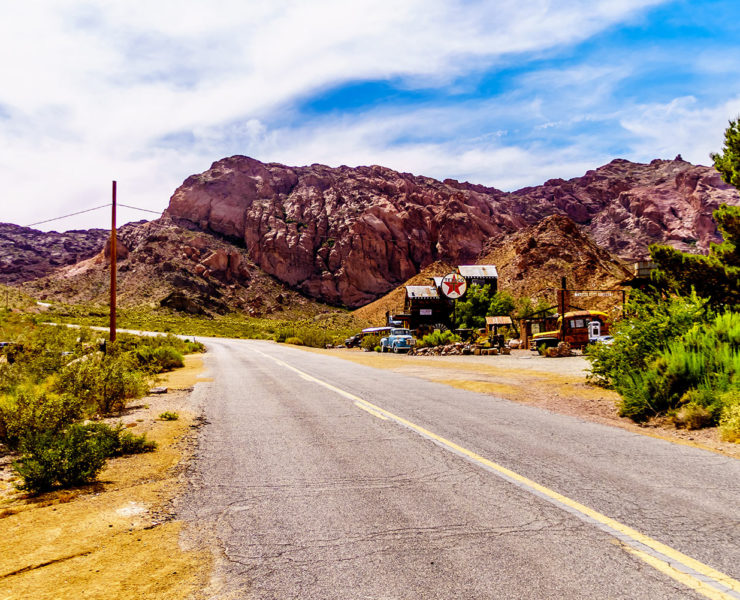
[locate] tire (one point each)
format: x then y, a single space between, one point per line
395 349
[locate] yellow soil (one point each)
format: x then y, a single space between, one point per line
552 384
114 539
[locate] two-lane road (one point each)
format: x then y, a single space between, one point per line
319 478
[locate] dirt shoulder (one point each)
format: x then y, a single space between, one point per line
556 384
116 538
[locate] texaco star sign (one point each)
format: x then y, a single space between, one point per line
454 285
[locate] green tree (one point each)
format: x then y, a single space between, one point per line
716 276
728 161
479 303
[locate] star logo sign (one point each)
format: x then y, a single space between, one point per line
453 285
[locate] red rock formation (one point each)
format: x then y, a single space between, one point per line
348 235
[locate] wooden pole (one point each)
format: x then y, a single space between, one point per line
113 268
562 308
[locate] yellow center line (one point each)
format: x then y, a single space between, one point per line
694 574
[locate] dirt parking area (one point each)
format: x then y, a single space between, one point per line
556 384
116 538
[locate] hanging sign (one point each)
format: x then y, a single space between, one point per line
454 285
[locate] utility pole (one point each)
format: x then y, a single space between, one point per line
113 268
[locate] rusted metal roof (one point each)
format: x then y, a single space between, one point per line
422 291
498 321
478 271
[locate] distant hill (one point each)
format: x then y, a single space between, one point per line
27 253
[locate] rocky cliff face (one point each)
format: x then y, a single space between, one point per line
348 235
27 254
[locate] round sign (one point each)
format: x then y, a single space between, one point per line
454 285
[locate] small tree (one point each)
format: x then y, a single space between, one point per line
479 303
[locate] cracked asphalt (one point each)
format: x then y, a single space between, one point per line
303 494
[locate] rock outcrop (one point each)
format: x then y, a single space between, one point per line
27 254
348 235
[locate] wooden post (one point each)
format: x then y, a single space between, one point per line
113 268
562 308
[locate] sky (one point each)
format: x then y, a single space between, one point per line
503 93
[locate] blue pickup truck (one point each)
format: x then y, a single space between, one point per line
398 340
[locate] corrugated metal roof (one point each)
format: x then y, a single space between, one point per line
421 291
478 271
498 321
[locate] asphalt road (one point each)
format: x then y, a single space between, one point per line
317 478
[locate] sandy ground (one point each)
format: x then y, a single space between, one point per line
556 384
116 538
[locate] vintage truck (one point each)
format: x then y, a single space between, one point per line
580 329
398 340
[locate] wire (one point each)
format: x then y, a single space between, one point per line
141 209
69 215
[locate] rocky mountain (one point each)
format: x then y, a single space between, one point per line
161 264
27 254
348 235
531 261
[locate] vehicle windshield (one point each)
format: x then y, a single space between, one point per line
400 332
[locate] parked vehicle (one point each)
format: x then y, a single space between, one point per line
581 328
398 340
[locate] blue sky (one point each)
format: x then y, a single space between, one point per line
504 93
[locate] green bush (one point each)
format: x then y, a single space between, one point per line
62 459
652 325
130 443
370 342
438 338
169 416
687 375
118 440
729 421
103 382
296 341
33 411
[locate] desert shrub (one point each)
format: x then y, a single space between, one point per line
159 359
169 416
690 371
652 325
103 382
33 411
370 342
296 341
438 338
692 416
167 358
729 421
131 443
118 440
69 458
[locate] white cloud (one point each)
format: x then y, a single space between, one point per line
681 126
94 85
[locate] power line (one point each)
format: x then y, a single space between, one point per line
74 214
154 212
69 215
